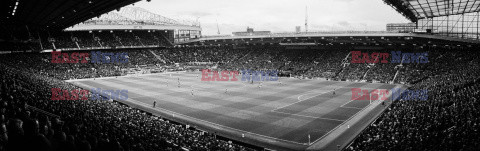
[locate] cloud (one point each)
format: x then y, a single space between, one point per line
344 23
278 15
195 13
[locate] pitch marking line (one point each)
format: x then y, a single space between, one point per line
215 124
338 126
342 106
300 100
309 92
349 102
310 116
343 124
353 107
343 121
211 123
193 86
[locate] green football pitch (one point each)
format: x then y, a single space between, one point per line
285 114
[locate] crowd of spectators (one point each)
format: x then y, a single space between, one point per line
42 63
84 125
448 120
316 63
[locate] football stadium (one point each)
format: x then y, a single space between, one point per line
92 75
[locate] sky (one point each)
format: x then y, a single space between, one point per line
278 15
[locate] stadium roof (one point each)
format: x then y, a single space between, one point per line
137 15
56 13
419 9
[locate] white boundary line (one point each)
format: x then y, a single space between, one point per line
310 116
130 75
216 124
247 132
299 100
342 124
353 107
308 92
211 123
351 101
192 86
347 103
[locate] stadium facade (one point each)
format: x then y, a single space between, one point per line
449 18
135 18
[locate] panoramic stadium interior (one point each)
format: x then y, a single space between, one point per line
96 75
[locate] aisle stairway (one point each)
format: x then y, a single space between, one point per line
158 57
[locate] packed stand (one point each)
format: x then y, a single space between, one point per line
85 124
448 120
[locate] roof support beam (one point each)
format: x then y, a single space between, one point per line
424 12
470 10
417 9
418 14
430 7
476 9
438 8
459 5
465 8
